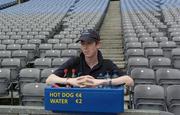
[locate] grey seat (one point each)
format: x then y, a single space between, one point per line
130 39
5 54
13 64
58 61
149 97
177 41
173 99
41 37
149 45
4 82
22 33
60 46
45 73
154 52
143 76
160 39
165 77
134 53
66 40
146 39
8 41
21 41
15 37
2 47
22 55
53 41
13 47
133 45
167 47
136 62
28 75
69 53
37 42
43 48
74 46
31 48
52 54
160 62
165 113
32 94
42 63
27 37
175 57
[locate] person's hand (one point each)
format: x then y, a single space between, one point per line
89 81
79 81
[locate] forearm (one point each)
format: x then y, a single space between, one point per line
123 79
55 79
127 80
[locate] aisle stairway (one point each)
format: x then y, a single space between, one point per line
111 35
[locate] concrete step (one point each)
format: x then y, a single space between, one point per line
111 50
112 46
111 35
114 36
115 59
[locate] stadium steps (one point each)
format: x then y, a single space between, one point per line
111 35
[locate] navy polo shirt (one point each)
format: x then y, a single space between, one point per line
103 67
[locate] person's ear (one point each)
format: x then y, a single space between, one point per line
98 44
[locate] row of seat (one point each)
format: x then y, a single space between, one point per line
7 3
154 97
151 46
162 76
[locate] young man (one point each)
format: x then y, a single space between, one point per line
90 66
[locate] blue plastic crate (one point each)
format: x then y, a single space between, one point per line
104 100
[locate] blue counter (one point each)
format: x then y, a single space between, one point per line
91 100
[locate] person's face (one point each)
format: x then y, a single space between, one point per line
90 48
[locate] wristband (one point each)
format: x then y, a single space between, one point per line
109 82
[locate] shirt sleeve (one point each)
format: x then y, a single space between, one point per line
115 70
67 65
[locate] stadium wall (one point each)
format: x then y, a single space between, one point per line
32 110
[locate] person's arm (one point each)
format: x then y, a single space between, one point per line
52 79
91 82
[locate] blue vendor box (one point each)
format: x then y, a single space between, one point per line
104 100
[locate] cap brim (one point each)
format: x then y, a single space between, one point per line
86 39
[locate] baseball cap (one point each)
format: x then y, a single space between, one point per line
89 35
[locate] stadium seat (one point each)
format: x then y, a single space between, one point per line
56 62
45 73
143 76
4 82
173 98
52 54
14 64
160 62
167 47
28 75
32 94
43 48
176 58
153 52
42 63
69 53
149 97
167 77
59 46
135 62
22 55
135 53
